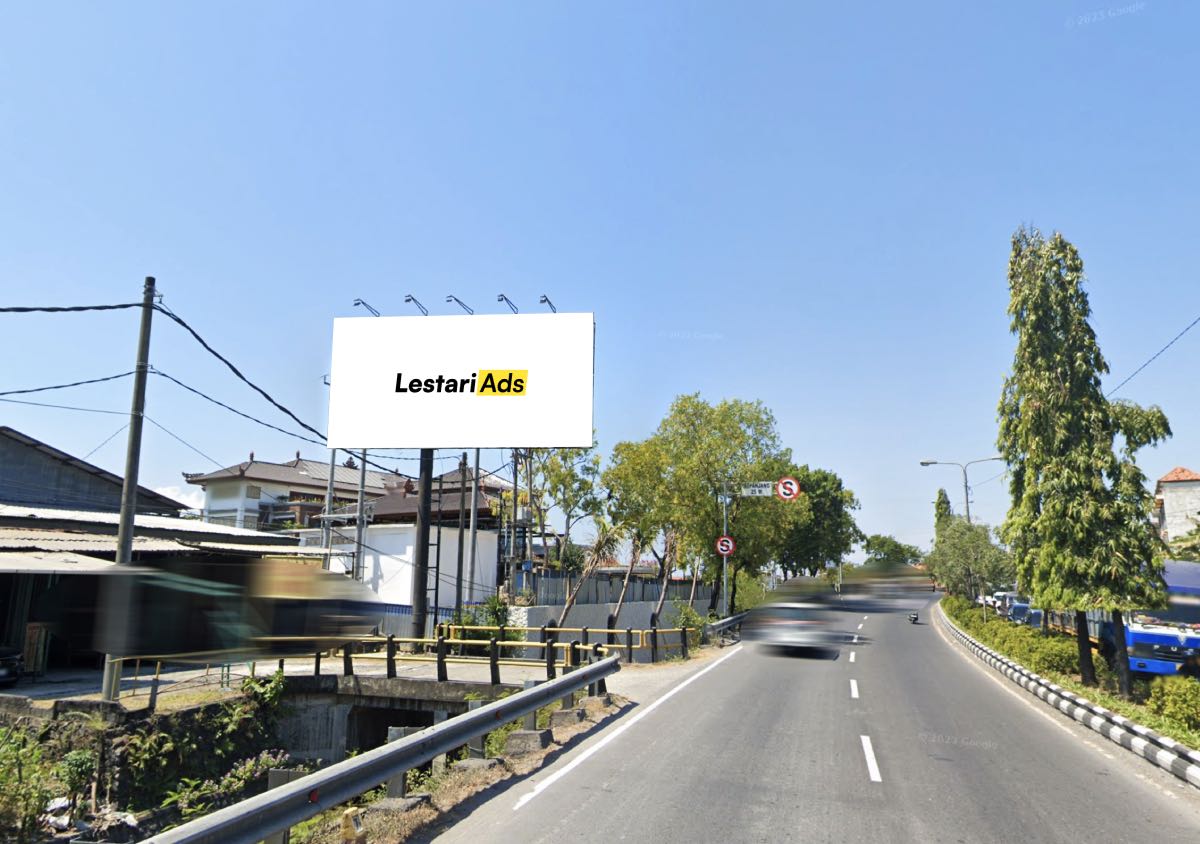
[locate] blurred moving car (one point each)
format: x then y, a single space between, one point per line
12 665
796 626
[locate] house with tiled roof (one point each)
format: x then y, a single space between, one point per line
1177 500
261 495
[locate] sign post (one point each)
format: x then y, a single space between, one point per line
725 547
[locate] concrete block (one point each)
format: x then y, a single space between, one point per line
565 718
596 702
476 764
526 741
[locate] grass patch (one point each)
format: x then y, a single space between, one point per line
1056 657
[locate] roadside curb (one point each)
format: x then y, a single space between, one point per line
1163 751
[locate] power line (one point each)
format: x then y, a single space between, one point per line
1153 357
67 407
255 419
64 386
185 442
71 309
179 321
106 440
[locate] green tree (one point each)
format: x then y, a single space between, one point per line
830 534
886 554
602 548
966 560
1078 523
570 481
1187 547
941 511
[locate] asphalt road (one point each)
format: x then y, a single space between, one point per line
758 747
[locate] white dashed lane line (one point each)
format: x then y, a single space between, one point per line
872 765
852 656
854 689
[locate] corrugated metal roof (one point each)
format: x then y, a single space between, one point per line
63 540
265 550
15 511
55 562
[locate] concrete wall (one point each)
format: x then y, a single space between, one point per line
1181 508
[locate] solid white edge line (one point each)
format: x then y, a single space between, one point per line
854 689
570 766
872 765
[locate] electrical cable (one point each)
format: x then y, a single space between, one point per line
64 386
66 407
1153 357
180 321
106 440
71 309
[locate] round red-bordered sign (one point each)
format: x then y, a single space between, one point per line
726 546
787 488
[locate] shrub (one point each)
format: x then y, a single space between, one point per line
1177 698
24 783
686 616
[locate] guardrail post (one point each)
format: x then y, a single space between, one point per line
530 717
610 625
543 633
653 643
594 656
348 659
494 660
549 648
683 643
629 643
317 664
583 637
704 633
153 694
475 747
281 666
391 656
441 660
397 786
572 660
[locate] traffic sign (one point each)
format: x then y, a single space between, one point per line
761 488
725 545
787 488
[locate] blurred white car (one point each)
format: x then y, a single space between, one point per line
791 626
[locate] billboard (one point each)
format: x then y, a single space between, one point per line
495 381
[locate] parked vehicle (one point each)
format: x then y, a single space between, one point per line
1161 641
12 665
1017 612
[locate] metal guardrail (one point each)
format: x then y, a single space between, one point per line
723 625
281 808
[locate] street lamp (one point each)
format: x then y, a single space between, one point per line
545 300
366 305
507 301
413 299
461 304
966 487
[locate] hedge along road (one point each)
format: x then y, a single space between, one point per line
773 748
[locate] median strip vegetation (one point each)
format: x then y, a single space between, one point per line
1169 705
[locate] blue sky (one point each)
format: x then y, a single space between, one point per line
808 204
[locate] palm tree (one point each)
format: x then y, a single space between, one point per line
635 555
602 549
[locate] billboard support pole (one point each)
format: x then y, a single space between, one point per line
462 499
474 538
420 586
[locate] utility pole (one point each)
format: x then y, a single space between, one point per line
420 584
327 522
360 523
529 527
725 557
121 612
474 538
512 548
462 498
437 561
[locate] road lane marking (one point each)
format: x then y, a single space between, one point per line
574 763
854 689
872 765
855 640
852 656
860 626
865 617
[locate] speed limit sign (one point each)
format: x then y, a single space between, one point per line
787 488
725 545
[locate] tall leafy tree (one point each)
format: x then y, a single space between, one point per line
888 554
966 560
1078 522
830 533
941 511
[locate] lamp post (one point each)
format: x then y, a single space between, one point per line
461 304
966 487
411 299
502 298
545 300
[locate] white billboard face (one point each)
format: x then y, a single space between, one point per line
497 381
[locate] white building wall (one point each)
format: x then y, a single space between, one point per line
1181 508
388 561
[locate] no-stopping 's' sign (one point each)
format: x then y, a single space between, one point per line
787 488
725 545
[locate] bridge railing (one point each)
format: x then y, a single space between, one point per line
279 809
